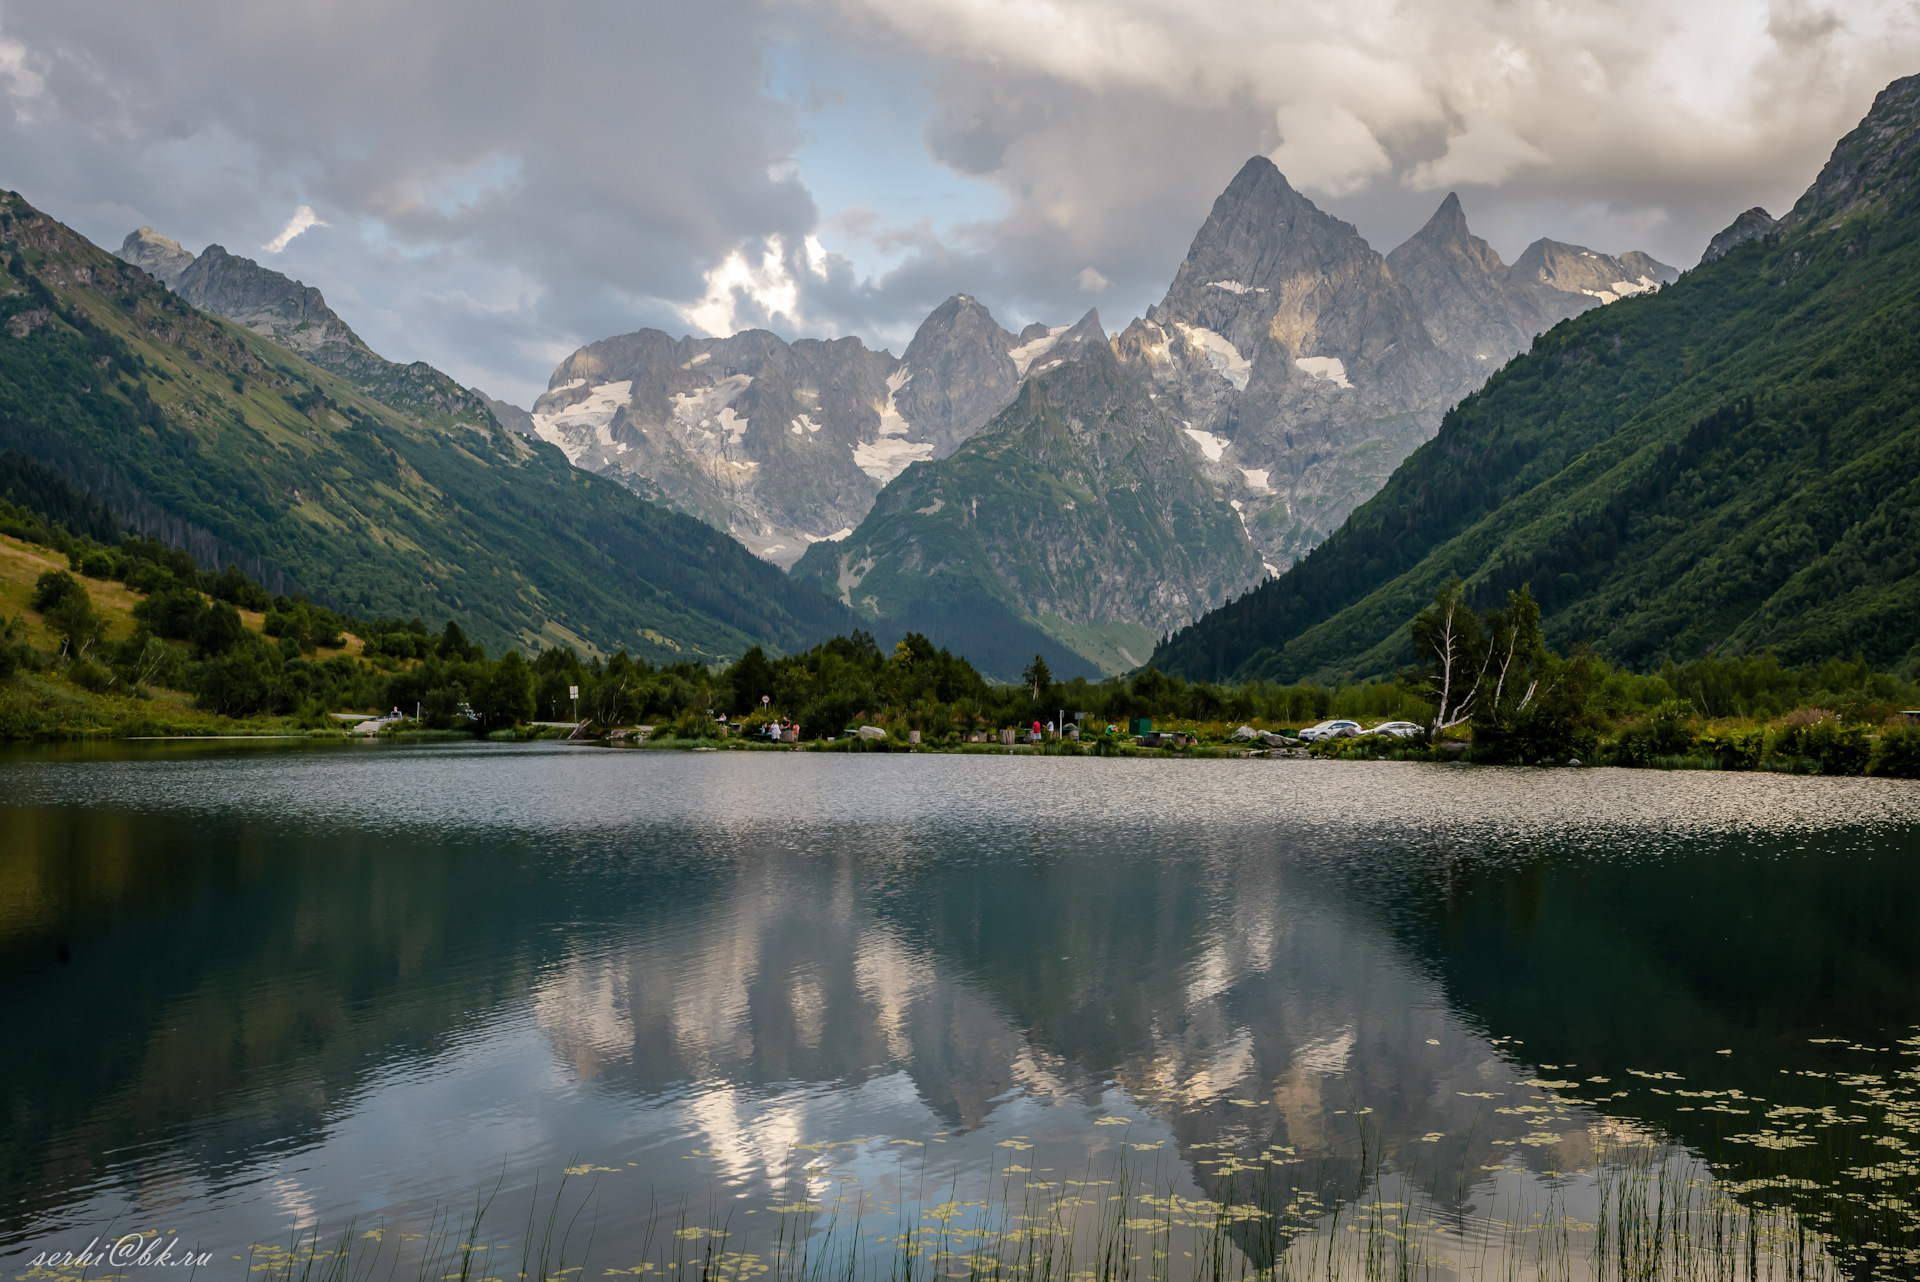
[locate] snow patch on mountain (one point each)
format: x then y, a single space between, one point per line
695 411
1221 354
1210 445
1235 287
1330 368
888 455
1256 478
1027 353
584 424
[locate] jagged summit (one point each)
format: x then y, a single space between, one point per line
1459 285
960 373
1448 229
295 315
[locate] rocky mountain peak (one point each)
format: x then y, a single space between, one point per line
1750 226
1458 284
1878 152
159 257
295 315
1575 269
266 301
960 372
1447 233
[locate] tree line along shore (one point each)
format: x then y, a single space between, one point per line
103 641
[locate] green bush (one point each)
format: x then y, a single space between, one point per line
696 723
1734 750
1896 755
1837 749
97 565
51 588
1662 734
89 676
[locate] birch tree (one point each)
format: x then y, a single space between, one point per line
1451 643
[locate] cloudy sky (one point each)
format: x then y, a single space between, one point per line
487 186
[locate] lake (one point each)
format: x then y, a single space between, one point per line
733 1014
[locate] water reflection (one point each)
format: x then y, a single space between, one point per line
287 988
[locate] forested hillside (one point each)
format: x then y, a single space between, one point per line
1730 465
218 441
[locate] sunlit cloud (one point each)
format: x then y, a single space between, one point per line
303 219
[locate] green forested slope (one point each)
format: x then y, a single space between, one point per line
1732 464
1075 525
235 448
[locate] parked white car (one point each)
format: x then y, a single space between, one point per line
1329 730
1399 729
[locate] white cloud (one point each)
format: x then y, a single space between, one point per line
303 219
1063 132
1486 152
770 288
25 84
1327 148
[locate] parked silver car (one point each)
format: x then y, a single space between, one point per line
1399 729
1330 730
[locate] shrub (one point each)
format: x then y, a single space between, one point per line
218 629
52 587
695 724
1662 734
1736 749
97 565
147 577
171 612
89 676
1896 755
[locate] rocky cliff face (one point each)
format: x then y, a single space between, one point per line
1459 286
779 444
1867 164
960 370
1298 367
1304 367
1079 515
295 315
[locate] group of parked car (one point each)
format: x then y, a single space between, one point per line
1342 729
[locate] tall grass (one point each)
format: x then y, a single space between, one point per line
1645 1212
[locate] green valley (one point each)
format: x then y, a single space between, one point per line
216 440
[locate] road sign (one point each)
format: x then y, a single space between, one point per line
573 692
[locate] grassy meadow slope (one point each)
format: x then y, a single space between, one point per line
1730 465
222 442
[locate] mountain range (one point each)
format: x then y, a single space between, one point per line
1248 479
306 471
1731 465
1296 365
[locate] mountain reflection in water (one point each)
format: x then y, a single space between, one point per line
253 990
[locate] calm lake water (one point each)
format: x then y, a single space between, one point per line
250 991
